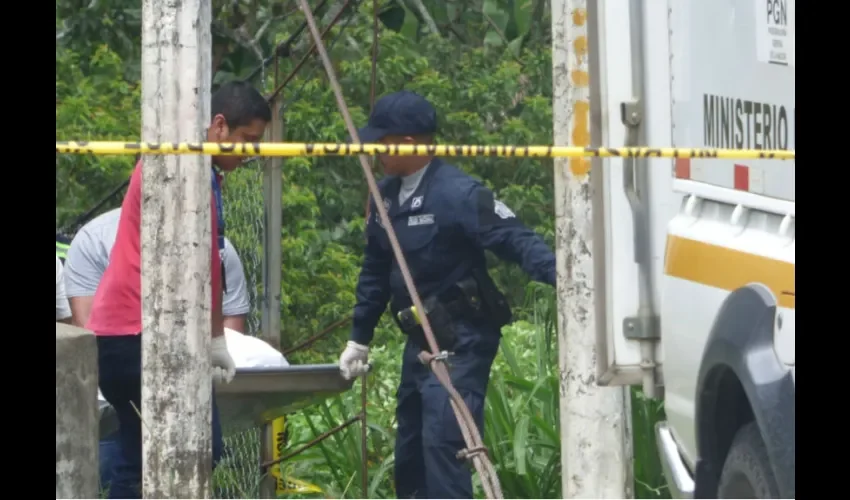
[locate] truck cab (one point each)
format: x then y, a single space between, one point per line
695 256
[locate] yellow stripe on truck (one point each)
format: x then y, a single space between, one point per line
728 269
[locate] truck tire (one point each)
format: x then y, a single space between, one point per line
747 472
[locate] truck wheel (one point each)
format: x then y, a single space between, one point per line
747 472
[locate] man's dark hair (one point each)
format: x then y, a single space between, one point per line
240 104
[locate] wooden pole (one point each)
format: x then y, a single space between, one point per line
594 424
175 246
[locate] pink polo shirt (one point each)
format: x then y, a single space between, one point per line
117 306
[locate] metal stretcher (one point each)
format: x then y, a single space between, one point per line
259 396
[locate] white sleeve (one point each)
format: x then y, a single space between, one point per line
63 309
82 269
236 300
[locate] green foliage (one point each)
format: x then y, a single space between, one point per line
98 104
83 27
521 427
243 32
649 478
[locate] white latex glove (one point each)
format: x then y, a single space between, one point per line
352 362
223 367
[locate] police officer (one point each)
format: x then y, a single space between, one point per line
444 220
63 243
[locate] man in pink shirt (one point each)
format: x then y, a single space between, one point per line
239 114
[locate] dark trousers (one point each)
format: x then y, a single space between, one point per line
110 450
120 380
426 463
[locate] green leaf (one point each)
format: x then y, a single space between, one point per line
523 10
521 445
492 39
515 48
393 17
496 13
410 28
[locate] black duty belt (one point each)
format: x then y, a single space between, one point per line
409 318
462 300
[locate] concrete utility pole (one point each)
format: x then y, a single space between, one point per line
594 452
176 243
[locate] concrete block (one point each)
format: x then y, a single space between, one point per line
76 413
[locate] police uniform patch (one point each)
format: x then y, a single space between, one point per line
378 220
502 210
387 204
420 220
492 212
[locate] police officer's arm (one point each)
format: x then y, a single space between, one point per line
373 286
493 226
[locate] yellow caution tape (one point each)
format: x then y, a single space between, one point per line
343 149
286 484
291 485
280 435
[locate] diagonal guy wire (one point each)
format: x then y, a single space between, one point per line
471 435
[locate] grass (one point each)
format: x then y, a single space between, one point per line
521 430
649 478
521 427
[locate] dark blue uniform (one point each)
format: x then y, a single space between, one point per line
443 228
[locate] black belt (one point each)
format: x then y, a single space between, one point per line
408 317
461 300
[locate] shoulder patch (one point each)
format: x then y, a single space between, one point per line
502 210
492 212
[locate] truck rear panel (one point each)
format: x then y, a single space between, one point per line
713 74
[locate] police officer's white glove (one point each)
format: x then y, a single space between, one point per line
353 361
223 367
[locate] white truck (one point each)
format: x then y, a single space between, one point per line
695 267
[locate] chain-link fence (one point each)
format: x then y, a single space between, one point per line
238 473
243 192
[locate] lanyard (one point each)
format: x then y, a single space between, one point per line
219 209
219 215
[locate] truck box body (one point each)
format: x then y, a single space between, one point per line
674 239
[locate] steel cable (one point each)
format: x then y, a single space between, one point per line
475 450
